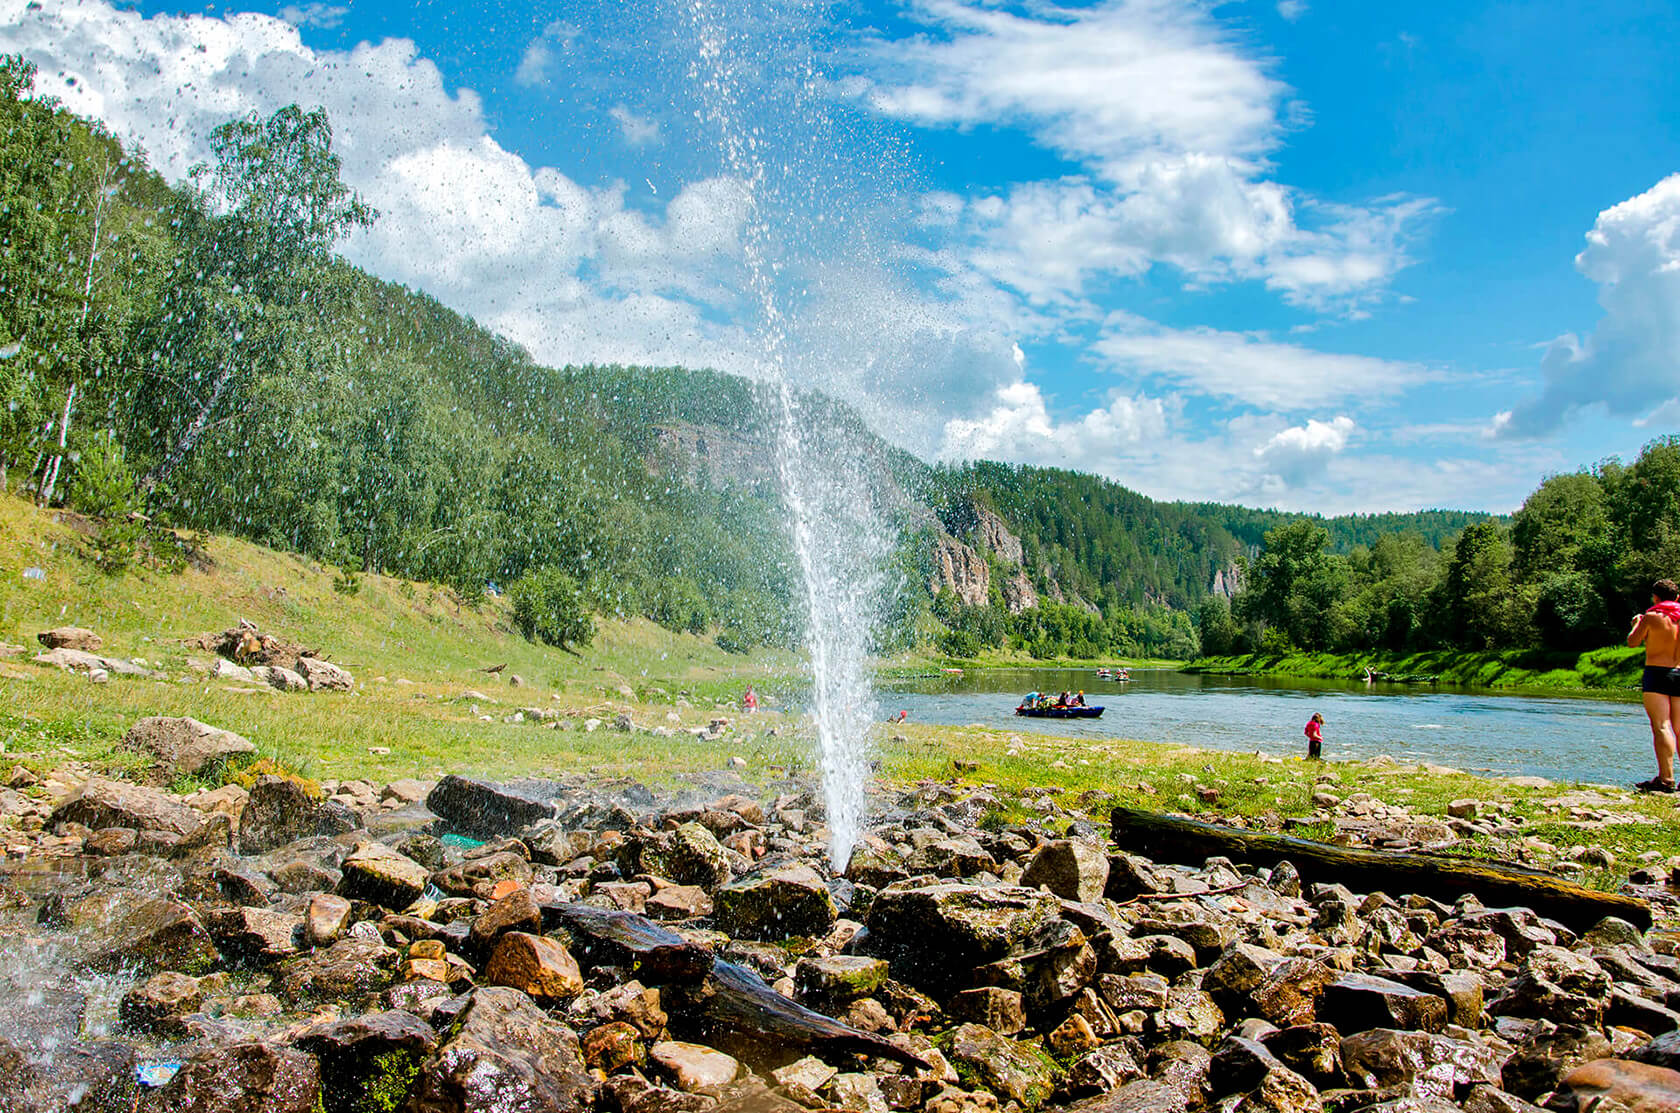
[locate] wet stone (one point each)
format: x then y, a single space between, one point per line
1102 1070
1436 1066
1014 1072
156 1003
369 1062
504 1053
1621 1084
837 979
159 935
999 1009
379 875
1356 1002
694 1068
1070 868
483 810
1537 1068
789 901
244 1077
350 968
540 967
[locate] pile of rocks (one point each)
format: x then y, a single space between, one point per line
355 953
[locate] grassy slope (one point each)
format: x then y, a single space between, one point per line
1615 668
421 635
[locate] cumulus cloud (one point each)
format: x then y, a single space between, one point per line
1300 453
1019 427
570 271
1169 118
325 16
638 131
1630 364
1249 369
542 54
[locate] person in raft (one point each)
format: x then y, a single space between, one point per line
1315 737
749 702
1658 630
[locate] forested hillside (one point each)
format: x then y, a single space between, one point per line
198 358
1567 573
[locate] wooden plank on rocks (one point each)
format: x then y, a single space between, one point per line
1169 838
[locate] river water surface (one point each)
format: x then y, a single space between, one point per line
1480 731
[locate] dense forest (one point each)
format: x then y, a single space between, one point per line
196 357
1568 572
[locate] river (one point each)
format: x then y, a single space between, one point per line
1480 731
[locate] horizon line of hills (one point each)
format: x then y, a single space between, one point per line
200 354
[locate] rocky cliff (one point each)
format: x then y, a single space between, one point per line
961 570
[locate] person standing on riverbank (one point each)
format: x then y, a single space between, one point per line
1315 737
1658 630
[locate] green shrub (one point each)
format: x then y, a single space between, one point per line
102 485
548 607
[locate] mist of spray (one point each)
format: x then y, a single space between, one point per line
760 93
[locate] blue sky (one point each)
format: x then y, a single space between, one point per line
1321 256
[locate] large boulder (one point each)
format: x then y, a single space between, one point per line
379 875
1070 868
71 637
350 968
104 803
369 1062
1355 1002
156 935
245 1077
1434 1065
1619 1084
504 1054
1013 1071
1557 984
184 745
935 936
690 855
788 901
324 676
484 810
281 810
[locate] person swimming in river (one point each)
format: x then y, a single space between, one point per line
1658 630
1315 737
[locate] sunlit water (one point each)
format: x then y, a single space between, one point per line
758 86
1564 739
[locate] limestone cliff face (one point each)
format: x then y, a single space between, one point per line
961 569
1227 581
1018 592
993 536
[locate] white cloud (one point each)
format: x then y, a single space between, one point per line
639 131
1301 453
569 271
325 16
1292 9
1248 369
1630 364
1170 118
1019 427
1116 85
536 65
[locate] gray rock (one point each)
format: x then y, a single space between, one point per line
158 934
370 1061
1539 1067
1070 868
935 936
1556 984
1014 1072
1434 1065
484 810
504 1053
184 745
379 875
1355 1002
105 803
71 637
324 676
788 901
245 1077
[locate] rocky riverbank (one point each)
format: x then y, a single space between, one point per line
564 945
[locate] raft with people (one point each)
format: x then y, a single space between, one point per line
1039 705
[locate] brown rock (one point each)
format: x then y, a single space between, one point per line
154 1004
184 745
71 637
105 803
693 1068
326 919
540 967
612 1046
1621 1084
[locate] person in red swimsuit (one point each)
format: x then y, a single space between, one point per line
1315 736
1658 630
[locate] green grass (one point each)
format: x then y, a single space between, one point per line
1613 669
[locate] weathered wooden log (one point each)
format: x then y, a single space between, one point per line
719 994
611 938
1168 838
738 1000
